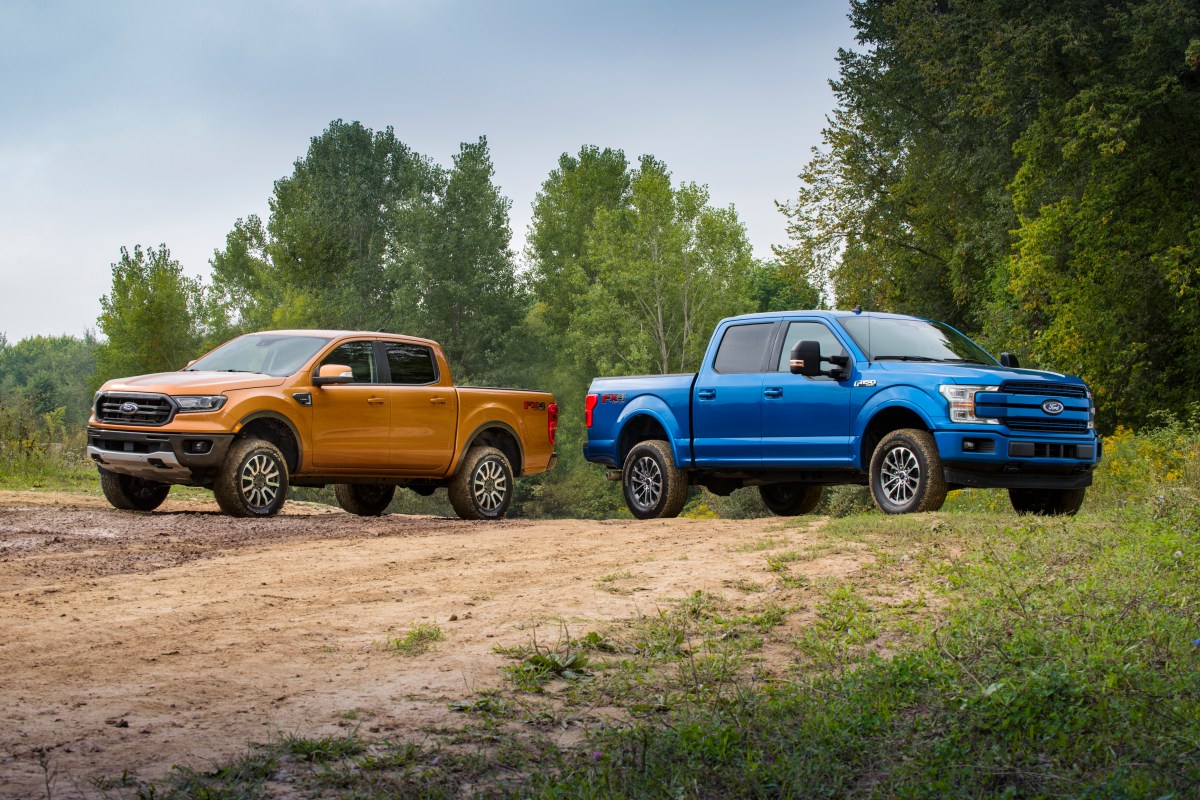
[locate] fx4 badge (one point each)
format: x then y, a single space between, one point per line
613 398
864 383
533 405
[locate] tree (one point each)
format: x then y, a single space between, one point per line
454 270
150 317
667 268
43 373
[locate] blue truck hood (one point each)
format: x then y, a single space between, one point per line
973 373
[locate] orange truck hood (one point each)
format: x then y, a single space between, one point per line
177 383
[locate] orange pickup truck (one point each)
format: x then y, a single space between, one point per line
366 412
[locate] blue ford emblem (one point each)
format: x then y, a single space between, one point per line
128 407
1052 407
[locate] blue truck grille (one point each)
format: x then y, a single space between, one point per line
148 409
1048 425
1044 389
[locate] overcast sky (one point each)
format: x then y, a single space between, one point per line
154 122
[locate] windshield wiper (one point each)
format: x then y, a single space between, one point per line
904 358
966 361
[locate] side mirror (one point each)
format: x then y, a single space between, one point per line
328 374
806 359
1009 360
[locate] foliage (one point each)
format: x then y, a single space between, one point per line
1027 173
43 373
152 317
418 640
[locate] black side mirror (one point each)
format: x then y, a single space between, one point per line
806 359
1009 360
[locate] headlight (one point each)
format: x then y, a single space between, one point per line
203 402
1091 411
962 402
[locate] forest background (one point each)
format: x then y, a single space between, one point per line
1030 175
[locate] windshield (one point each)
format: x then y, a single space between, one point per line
263 353
888 339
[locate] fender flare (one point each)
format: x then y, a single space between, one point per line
655 408
923 406
518 469
276 417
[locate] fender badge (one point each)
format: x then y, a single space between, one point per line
864 383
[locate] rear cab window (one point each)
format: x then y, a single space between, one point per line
410 364
743 349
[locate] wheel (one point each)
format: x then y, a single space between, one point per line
253 480
652 484
906 473
483 486
132 494
790 499
1047 502
364 499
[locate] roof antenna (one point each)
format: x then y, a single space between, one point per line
856 310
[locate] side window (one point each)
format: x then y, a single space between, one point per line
808 331
359 356
742 348
410 363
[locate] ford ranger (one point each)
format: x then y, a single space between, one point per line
366 412
791 402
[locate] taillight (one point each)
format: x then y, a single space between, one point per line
589 406
552 420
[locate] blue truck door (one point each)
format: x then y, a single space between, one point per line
806 421
727 399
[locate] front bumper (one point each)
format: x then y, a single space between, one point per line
989 459
185 458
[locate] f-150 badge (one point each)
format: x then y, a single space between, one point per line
864 383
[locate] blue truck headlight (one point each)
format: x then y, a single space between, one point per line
961 398
202 402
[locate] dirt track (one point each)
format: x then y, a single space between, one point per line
138 641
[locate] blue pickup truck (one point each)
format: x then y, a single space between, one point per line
794 401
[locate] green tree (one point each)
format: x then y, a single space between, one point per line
455 276
151 316
43 373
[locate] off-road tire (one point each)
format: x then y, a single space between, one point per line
132 494
366 500
790 499
483 486
906 473
653 486
252 480
1047 502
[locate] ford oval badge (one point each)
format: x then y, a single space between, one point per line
128 407
1052 407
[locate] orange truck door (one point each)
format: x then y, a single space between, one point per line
351 422
424 409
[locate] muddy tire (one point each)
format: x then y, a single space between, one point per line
652 485
366 500
483 486
132 494
906 473
1047 502
790 499
253 480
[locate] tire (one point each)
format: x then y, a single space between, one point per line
790 499
253 480
366 500
132 494
1047 502
906 473
652 485
483 486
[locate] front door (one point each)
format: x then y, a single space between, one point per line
351 422
806 421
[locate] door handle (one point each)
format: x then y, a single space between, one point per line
774 391
707 394
374 401
437 401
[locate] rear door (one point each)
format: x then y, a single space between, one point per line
351 421
727 398
424 409
806 421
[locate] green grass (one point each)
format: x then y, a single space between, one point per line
416 641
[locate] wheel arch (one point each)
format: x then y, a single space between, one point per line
647 418
279 431
883 421
499 435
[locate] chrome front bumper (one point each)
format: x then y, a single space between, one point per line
160 466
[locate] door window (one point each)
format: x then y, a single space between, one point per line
359 356
812 332
742 348
410 364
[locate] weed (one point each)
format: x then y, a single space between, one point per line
418 640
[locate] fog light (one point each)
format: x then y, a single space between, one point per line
199 446
968 446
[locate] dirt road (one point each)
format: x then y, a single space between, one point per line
138 641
